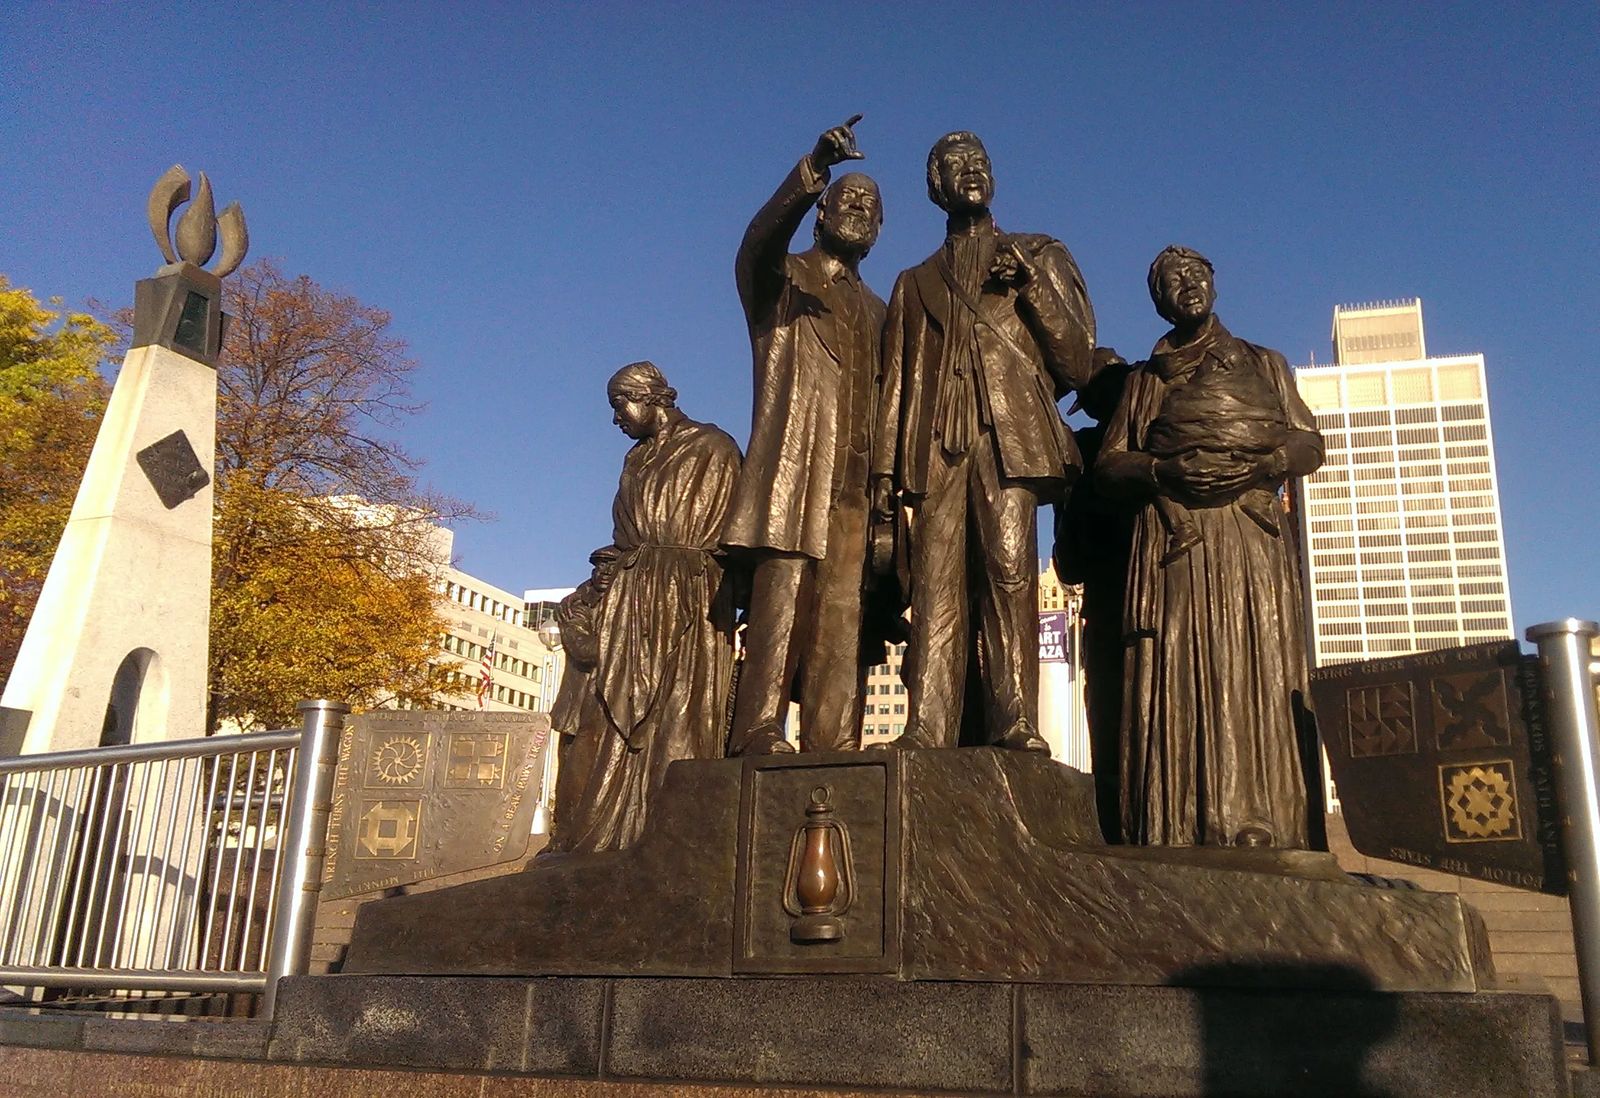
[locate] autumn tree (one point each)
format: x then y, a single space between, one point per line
325 553
326 557
303 611
51 399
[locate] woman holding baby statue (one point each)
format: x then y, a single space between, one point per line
1208 431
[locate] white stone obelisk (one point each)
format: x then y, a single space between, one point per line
129 589
116 650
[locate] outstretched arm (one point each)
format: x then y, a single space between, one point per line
758 269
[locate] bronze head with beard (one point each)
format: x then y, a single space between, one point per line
849 217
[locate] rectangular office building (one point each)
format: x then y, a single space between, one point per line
1400 528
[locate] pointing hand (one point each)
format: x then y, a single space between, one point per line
836 146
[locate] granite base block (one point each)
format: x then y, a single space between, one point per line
1154 1043
822 1031
154 1035
222 1038
539 1026
971 1038
36 1029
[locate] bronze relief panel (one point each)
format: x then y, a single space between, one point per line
818 865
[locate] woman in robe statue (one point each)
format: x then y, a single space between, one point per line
1207 432
660 627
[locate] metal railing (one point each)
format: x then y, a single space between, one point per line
1568 673
188 865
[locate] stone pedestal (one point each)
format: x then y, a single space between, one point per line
988 944
123 616
969 865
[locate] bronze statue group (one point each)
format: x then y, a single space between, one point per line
898 458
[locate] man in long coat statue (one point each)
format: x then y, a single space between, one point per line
800 509
981 340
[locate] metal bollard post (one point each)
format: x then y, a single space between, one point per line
1568 683
303 845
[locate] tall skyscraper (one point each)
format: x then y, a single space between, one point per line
1404 553
1400 528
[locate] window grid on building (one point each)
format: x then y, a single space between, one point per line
1404 550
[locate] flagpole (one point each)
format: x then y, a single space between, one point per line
486 674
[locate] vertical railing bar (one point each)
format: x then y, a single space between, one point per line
113 787
60 863
24 876
148 849
136 814
303 846
68 841
135 826
238 859
15 863
50 880
289 769
15 839
216 861
255 863
11 833
1568 690
184 894
160 875
75 901
25 895
112 852
49 839
31 866
163 863
215 765
56 885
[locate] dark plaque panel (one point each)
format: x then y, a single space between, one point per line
1442 761
173 469
776 794
426 794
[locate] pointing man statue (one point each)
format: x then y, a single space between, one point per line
800 510
980 342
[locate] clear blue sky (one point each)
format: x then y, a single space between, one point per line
541 194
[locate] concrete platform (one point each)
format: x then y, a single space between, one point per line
972 1038
823 1034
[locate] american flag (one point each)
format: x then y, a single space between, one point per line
486 671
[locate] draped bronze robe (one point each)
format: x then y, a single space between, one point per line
665 626
1215 646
